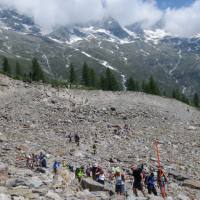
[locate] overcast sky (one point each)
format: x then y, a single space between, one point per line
181 17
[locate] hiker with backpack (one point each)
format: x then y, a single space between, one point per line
162 181
119 182
150 182
56 167
79 173
95 171
88 171
101 177
42 160
138 182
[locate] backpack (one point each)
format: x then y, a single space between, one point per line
151 181
55 165
119 180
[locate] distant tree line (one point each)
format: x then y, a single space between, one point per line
89 80
151 87
36 73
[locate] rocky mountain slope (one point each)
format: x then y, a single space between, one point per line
40 118
127 51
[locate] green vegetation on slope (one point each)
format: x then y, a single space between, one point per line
89 80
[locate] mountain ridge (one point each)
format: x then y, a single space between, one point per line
128 51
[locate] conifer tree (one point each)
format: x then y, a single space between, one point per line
72 75
176 94
153 87
6 66
131 84
184 99
196 100
102 82
114 83
85 74
110 81
92 77
137 86
144 87
37 73
18 70
164 93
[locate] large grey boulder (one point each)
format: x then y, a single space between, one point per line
183 197
33 182
5 196
88 183
195 184
178 176
53 196
3 138
15 182
3 173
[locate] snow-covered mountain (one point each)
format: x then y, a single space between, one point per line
128 51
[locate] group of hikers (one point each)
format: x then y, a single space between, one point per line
76 139
139 177
32 160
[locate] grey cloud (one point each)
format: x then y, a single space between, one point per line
51 13
184 21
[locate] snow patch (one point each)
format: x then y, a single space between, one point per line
107 65
177 64
155 36
134 35
74 39
145 53
124 58
55 40
47 61
102 62
88 55
124 82
184 90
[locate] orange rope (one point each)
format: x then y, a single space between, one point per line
159 167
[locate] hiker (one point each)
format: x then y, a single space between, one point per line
71 168
126 128
94 149
64 163
70 138
119 182
101 177
138 180
29 161
88 171
77 139
95 171
162 180
150 182
56 167
79 173
35 159
42 160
